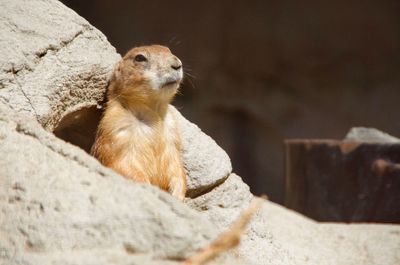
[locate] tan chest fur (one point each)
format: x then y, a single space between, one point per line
144 148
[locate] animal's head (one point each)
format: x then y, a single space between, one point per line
147 73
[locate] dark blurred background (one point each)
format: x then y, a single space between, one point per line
263 71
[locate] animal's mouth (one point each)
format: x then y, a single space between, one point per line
171 82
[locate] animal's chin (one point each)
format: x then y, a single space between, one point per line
170 84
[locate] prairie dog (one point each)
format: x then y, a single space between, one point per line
138 136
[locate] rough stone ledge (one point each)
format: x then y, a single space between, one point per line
206 163
56 203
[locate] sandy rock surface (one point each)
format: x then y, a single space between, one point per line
224 204
52 61
206 163
60 199
280 236
370 135
55 200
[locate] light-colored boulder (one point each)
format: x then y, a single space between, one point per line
55 200
324 243
280 236
52 61
206 163
223 206
369 135
87 257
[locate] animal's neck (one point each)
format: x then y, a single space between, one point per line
147 104
148 111
155 108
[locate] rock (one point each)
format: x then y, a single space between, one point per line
56 200
369 135
52 61
206 163
324 243
223 206
280 236
363 243
89 257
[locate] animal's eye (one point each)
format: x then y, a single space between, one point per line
140 58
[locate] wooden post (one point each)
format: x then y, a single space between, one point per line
331 180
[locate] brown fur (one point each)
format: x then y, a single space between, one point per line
138 135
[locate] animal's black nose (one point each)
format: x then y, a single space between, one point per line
176 66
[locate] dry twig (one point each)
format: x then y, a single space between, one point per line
226 240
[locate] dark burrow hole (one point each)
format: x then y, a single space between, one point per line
79 127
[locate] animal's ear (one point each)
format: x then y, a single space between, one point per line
117 71
112 88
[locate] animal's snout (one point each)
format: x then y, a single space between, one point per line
176 64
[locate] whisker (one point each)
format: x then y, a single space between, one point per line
179 93
191 75
187 68
174 41
189 79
